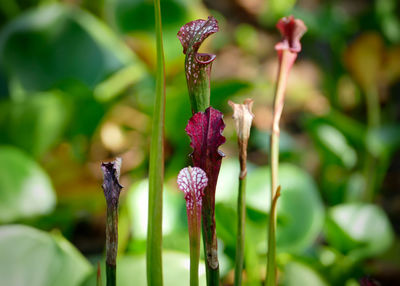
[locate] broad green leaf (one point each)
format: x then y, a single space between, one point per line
226 222
228 182
64 43
334 142
131 270
300 208
362 230
25 189
36 258
354 131
297 273
387 15
35 123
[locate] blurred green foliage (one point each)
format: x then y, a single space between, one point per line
77 88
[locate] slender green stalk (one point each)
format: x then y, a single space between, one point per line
373 121
194 237
292 30
111 275
271 267
212 274
192 182
241 207
274 161
373 107
194 261
209 244
156 165
243 117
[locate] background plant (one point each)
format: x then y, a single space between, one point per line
77 88
156 164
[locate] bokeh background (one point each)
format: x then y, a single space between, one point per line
77 88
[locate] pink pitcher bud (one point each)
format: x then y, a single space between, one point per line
292 30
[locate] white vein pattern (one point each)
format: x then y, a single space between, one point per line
192 181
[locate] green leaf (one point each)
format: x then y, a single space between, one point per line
297 273
353 130
35 123
335 143
36 258
362 230
156 164
64 44
300 208
226 222
227 188
25 189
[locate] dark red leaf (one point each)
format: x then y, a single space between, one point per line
205 131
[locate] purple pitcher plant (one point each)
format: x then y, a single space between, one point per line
204 129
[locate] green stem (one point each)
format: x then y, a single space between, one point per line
373 121
373 107
209 243
156 165
194 237
111 275
240 238
285 64
194 261
271 266
212 275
